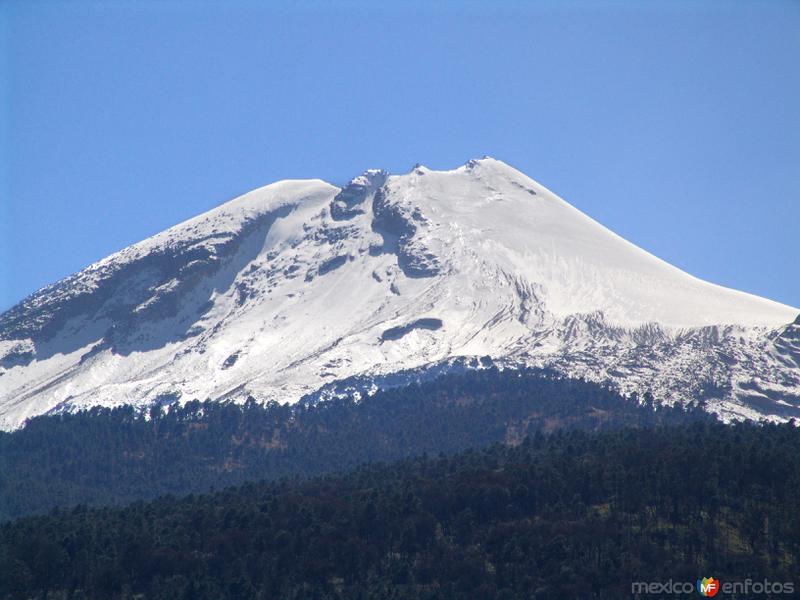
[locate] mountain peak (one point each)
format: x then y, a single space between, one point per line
301 288
485 160
350 201
490 163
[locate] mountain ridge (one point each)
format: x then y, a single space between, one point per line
297 285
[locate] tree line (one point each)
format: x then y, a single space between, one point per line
115 456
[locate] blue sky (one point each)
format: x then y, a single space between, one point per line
676 124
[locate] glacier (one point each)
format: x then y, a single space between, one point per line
302 289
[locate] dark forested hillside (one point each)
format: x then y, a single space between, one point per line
565 515
113 456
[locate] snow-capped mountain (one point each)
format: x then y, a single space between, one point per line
301 288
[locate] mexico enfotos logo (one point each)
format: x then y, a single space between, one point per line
709 587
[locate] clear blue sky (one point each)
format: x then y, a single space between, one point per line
676 124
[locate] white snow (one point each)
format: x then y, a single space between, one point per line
521 276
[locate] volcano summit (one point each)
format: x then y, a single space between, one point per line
301 288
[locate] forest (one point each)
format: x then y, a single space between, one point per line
116 456
567 514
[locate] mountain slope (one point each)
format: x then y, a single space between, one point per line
573 515
303 288
116 456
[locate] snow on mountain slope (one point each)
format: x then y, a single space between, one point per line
303 288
